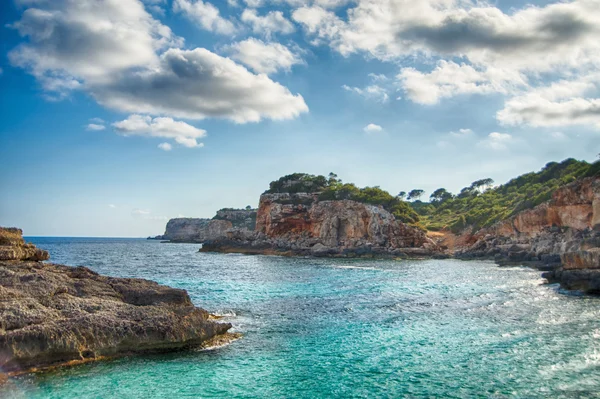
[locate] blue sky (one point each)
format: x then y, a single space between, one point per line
117 115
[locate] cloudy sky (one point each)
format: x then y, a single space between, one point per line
119 114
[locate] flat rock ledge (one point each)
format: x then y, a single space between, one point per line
54 315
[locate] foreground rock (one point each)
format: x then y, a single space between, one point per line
300 224
13 247
561 236
53 315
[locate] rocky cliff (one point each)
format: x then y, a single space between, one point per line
239 218
300 224
563 235
53 315
195 230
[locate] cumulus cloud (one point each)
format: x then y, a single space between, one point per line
296 3
499 52
206 15
273 22
372 128
71 41
562 103
181 132
197 84
117 52
263 57
449 79
94 127
165 146
497 141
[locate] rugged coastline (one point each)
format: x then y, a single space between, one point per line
54 315
560 236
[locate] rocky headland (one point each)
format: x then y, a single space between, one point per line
198 230
561 236
300 224
53 315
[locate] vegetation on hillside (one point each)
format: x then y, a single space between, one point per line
477 205
332 188
481 205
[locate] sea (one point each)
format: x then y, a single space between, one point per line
342 328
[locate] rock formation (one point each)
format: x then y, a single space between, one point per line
53 315
194 230
239 218
300 224
13 247
563 235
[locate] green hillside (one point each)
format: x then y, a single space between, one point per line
480 205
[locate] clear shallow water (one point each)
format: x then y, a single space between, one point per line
321 328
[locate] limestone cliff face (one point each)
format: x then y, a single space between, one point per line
300 224
563 234
575 205
52 315
195 230
239 218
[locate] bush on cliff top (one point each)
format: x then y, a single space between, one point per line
483 209
331 188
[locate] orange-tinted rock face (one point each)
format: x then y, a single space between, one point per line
576 205
334 223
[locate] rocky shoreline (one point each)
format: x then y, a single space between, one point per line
54 315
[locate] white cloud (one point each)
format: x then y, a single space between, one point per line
296 3
110 37
165 146
272 22
181 132
263 57
497 141
197 84
119 58
499 52
372 128
371 92
112 206
449 79
563 103
98 121
206 15
94 127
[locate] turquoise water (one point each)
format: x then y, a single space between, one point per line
331 328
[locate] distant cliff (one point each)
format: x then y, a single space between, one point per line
194 230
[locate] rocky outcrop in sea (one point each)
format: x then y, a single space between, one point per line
561 236
53 315
300 224
193 230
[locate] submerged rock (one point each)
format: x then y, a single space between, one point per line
53 315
